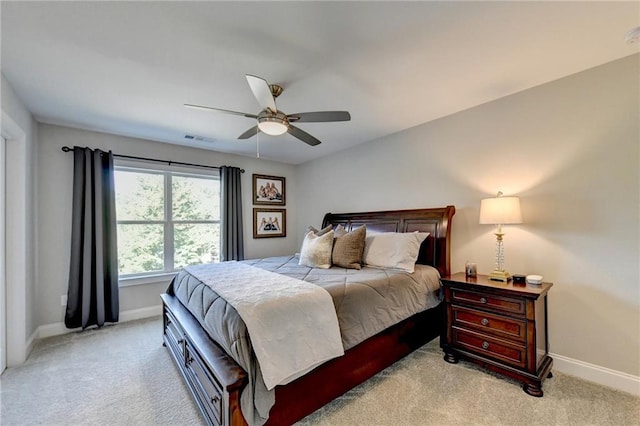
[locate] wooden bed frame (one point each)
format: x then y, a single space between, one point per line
216 380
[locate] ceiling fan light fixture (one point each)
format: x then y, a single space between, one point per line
272 121
273 128
273 124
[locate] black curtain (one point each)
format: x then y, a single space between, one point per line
93 272
231 214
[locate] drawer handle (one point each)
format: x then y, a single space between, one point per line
485 345
215 399
484 321
483 300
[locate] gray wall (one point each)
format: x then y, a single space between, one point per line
20 215
55 198
569 149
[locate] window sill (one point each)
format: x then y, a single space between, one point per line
146 279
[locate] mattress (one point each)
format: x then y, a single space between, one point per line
366 301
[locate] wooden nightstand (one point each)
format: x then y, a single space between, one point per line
499 326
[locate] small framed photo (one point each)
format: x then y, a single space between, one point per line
269 190
269 223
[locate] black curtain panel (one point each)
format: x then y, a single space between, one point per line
93 272
231 214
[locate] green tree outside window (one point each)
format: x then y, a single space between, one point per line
166 220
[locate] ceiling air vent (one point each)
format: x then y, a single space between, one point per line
198 138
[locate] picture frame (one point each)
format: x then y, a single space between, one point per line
269 190
269 223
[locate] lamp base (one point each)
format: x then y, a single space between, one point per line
497 275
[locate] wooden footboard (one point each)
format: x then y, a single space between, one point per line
214 379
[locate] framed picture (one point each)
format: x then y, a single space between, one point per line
269 223
268 190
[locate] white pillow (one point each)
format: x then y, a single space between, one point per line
397 250
316 250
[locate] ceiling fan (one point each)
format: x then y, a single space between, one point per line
273 121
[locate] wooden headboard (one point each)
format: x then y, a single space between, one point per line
435 250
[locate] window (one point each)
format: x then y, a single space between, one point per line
166 220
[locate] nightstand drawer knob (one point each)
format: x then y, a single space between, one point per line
483 300
485 345
484 321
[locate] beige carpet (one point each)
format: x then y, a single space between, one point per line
122 375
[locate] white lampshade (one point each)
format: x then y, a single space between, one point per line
272 127
500 211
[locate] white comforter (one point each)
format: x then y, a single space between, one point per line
292 323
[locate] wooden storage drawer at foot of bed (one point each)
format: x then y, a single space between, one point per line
487 346
209 392
174 336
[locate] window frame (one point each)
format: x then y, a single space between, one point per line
168 172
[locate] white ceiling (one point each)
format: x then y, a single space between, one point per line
128 67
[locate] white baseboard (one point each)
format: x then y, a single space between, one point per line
136 314
594 373
58 328
31 342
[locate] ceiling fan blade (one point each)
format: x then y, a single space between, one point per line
303 136
319 116
244 114
261 91
249 133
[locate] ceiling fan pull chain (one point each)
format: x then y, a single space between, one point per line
258 145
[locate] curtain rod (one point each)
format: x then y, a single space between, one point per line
178 163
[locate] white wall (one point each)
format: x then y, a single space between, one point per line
20 129
569 149
55 199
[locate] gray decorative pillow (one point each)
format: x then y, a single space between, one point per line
319 232
348 247
316 250
339 231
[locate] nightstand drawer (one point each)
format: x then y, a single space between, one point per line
490 347
509 305
491 324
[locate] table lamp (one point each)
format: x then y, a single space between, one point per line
500 211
